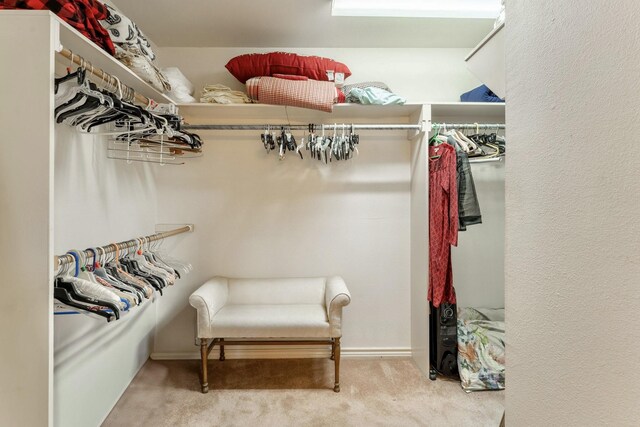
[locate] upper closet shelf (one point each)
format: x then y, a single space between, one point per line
71 39
203 113
481 112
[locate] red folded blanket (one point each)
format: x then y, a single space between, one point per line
83 15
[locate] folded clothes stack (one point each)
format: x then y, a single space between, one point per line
371 93
281 78
221 94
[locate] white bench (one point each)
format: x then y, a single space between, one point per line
270 311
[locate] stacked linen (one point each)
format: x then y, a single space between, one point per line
371 93
221 94
282 78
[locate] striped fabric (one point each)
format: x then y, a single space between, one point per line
311 94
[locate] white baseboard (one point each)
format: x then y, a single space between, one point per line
285 352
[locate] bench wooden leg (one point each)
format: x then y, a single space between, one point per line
336 346
204 381
222 349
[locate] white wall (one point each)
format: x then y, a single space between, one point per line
98 201
478 260
250 209
572 237
256 216
416 74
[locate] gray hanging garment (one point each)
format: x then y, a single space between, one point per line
468 206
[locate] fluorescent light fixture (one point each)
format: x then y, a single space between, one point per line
417 8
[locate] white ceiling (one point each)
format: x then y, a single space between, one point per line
290 23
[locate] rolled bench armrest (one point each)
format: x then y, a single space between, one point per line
336 297
208 300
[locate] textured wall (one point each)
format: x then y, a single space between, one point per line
572 238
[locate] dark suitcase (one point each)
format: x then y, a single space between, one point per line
443 340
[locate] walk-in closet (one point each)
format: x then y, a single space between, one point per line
318 213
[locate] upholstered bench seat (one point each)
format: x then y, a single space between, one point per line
270 311
271 320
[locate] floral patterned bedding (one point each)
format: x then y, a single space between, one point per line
481 358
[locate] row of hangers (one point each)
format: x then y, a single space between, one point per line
113 283
477 145
338 146
86 106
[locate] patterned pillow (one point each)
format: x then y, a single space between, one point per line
481 349
126 34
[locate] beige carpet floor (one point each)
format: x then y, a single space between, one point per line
298 392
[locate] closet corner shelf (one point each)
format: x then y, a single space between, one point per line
205 113
489 112
71 39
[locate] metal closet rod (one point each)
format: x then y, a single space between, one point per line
103 75
346 126
318 127
61 260
482 126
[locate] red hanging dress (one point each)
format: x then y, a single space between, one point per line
443 222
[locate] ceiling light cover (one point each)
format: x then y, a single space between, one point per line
418 8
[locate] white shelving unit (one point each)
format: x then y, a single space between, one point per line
29 65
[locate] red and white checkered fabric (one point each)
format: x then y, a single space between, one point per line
312 94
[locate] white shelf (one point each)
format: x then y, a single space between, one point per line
204 113
71 39
481 112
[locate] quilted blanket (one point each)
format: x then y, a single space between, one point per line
481 349
309 93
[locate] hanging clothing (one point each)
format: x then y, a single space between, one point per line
443 222
468 206
83 15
